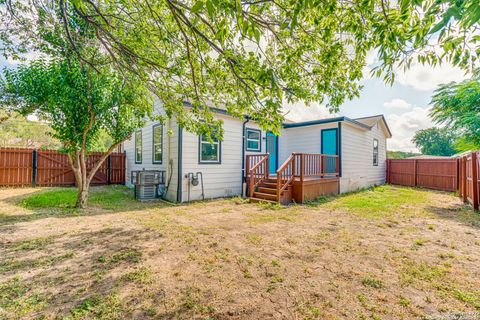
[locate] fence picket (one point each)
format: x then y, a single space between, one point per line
29 167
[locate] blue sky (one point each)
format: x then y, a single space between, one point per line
404 104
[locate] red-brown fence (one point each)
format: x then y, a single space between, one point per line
469 178
439 174
460 174
26 167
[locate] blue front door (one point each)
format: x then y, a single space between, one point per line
330 146
272 150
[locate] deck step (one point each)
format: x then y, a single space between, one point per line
266 196
271 180
268 190
269 184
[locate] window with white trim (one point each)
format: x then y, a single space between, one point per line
157 143
138 146
209 151
253 140
375 152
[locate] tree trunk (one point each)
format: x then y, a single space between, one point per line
78 162
82 197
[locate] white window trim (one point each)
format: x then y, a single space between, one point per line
141 146
375 152
159 126
259 139
219 151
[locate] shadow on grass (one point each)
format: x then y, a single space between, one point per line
462 213
78 275
59 202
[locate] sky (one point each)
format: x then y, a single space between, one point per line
404 104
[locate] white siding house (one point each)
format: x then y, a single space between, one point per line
359 143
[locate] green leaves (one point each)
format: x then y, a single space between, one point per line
435 141
248 57
198 6
76 101
457 105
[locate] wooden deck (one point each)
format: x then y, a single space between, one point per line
302 177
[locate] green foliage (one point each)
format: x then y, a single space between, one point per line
457 105
400 154
17 131
77 102
435 141
248 57
98 307
372 282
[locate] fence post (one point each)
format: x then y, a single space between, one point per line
474 181
464 178
415 172
34 167
387 164
108 169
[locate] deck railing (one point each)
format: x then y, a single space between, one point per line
297 167
285 175
258 169
316 165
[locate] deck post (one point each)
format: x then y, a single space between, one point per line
474 181
302 166
337 166
267 169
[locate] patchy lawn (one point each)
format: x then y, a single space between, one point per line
384 253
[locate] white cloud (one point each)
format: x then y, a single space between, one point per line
404 126
426 78
397 104
300 112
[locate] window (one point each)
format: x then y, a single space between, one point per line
138 146
157 144
253 140
375 152
209 152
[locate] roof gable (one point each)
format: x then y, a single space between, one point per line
373 120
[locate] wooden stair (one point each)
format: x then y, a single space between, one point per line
267 191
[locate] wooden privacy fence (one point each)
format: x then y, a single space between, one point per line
439 174
469 178
30 167
460 174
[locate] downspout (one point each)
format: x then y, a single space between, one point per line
179 177
243 151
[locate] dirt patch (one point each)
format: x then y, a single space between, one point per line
227 259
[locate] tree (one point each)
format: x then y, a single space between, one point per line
391 154
435 141
79 103
457 105
244 55
18 131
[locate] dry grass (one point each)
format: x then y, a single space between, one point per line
386 253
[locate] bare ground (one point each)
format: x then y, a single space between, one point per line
227 259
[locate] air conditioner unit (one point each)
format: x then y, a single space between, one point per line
149 184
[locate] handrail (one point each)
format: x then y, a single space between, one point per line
258 172
285 175
316 165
